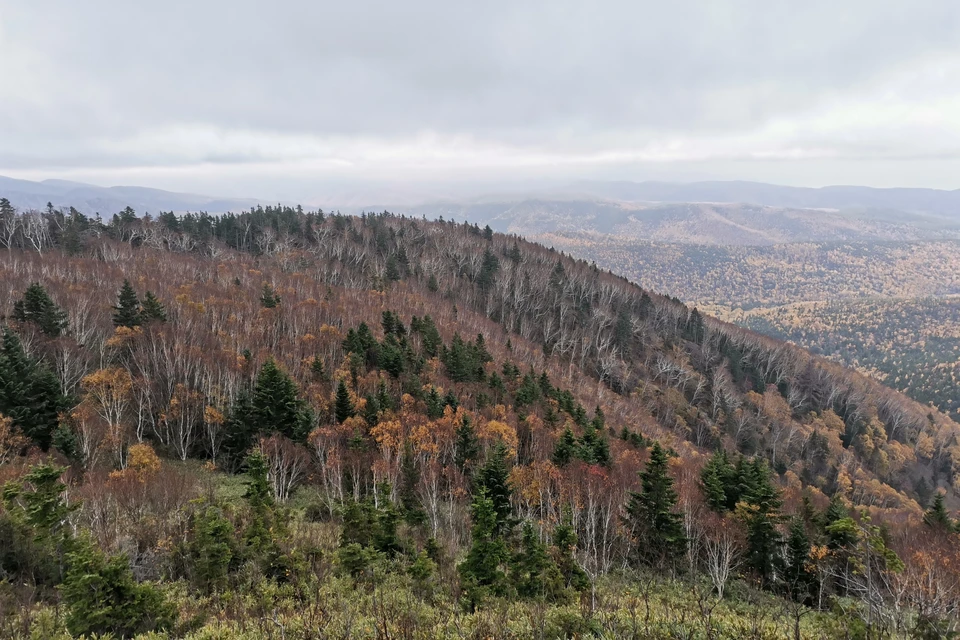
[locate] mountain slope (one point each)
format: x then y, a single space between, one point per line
379 403
695 223
667 372
929 201
889 309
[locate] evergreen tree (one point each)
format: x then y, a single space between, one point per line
797 578
385 537
481 572
29 392
599 421
64 440
565 544
343 405
209 549
837 537
435 404
268 297
694 328
127 311
492 481
317 369
594 448
258 536
566 448
7 211
489 265
467 446
760 510
102 597
152 310
276 405
38 308
937 517
719 483
392 270
658 530
34 545
240 430
407 491
533 573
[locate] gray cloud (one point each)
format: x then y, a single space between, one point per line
398 90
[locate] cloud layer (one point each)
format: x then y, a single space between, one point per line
191 93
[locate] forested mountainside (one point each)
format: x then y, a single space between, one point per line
909 344
887 309
447 431
694 222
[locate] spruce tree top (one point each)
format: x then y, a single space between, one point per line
152 309
127 311
38 308
343 405
276 405
937 517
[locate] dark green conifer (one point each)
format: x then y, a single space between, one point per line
533 572
36 535
29 392
760 511
435 404
719 483
413 511
566 448
268 297
492 480
209 549
127 311
343 405
594 448
152 310
481 572
565 544
466 445
797 578
276 405
656 527
102 597
38 308
936 517
318 370
838 537
259 532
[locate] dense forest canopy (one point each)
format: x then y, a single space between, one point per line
329 404
887 309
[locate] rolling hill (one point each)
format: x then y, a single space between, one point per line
358 417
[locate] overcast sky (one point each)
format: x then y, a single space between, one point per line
271 99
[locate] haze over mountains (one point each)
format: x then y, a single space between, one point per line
715 213
91 199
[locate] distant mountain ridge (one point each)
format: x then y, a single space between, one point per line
695 222
707 213
928 201
91 199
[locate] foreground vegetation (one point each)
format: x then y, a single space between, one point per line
232 563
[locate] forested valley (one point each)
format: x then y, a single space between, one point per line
296 424
887 309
